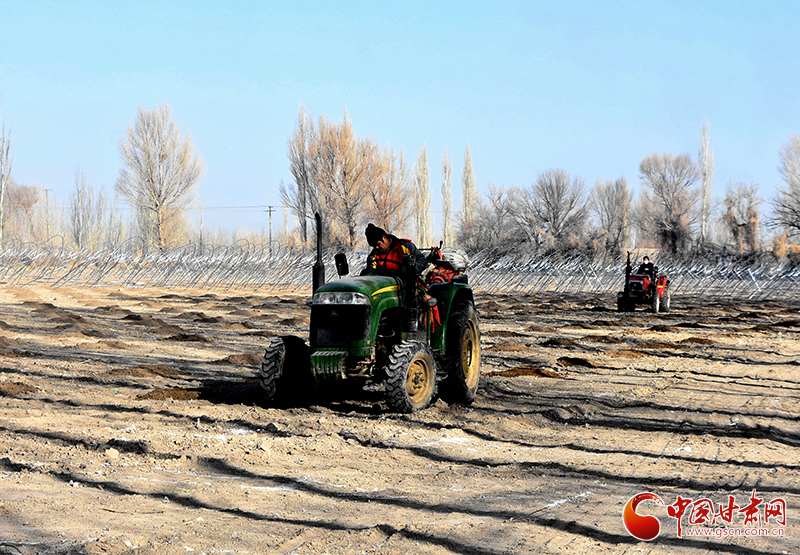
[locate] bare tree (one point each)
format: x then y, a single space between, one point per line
422 197
706 166
322 168
786 203
81 209
5 175
160 173
90 218
114 226
350 185
668 199
340 167
467 187
21 202
611 204
742 216
287 215
347 179
301 198
493 226
555 207
447 196
389 205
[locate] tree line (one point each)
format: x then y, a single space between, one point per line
351 181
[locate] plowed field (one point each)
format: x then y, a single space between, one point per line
131 422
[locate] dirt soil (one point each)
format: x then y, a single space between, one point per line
131 421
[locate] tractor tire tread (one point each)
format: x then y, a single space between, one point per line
396 372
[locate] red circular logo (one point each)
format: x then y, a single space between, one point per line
642 527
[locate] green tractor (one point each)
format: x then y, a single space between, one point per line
411 336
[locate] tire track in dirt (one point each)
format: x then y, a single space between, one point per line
222 468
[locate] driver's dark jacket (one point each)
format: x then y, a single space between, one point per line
391 261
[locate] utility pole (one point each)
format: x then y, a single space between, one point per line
270 210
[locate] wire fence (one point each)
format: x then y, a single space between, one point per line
257 267
762 280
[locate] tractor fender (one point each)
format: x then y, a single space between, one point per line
447 296
663 281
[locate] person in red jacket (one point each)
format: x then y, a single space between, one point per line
388 251
386 258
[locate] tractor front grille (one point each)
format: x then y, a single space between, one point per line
339 325
328 364
636 286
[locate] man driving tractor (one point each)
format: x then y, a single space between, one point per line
646 267
386 258
387 253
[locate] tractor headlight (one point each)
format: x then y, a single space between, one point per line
341 297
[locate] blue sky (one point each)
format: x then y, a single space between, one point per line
581 86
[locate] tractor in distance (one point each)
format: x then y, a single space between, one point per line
413 336
646 287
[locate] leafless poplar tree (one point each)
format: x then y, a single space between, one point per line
610 202
160 173
422 198
706 164
114 227
350 184
388 207
89 213
786 203
301 199
447 196
467 187
287 215
742 216
668 199
81 209
322 169
5 176
340 168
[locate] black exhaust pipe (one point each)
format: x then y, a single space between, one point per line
318 275
628 271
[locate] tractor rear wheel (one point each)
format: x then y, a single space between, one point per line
410 377
285 366
463 360
666 301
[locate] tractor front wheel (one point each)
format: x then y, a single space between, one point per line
410 377
286 364
655 302
463 359
625 304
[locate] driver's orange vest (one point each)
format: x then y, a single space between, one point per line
391 260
